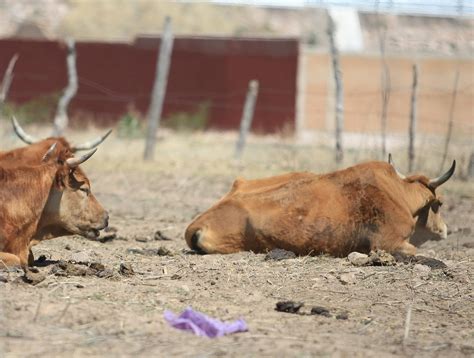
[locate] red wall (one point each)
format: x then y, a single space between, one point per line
114 76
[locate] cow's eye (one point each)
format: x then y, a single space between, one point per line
85 190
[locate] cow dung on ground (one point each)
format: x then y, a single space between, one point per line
66 269
288 306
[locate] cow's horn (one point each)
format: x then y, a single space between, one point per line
390 160
74 162
436 182
48 153
28 139
91 144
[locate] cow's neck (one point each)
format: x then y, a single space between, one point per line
417 196
31 185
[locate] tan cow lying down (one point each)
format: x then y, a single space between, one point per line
43 201
361 208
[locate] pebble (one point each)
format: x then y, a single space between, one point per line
421 270
126 269
81 257
358 259
348 278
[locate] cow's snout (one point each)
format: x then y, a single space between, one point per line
195 238
105 221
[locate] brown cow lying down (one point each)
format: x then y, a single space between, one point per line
44 201
365 207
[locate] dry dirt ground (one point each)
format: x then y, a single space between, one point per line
91 311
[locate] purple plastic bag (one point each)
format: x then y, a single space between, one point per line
202 325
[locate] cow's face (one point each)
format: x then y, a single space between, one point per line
71 205
430 224
221 229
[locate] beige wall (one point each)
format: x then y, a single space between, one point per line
362 97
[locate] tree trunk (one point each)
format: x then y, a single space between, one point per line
61 119
412 127
159 89
339 94
247 117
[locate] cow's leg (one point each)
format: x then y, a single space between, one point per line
394 238
407 248
8 260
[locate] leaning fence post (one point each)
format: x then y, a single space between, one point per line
451 118
247 117
412 126
7 78
339 91
61 119
159 89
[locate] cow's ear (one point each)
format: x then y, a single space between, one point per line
49 154
60 180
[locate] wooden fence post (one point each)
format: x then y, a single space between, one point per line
339 115
385 81
61 119
159 89
451 118
7 79
247 117
412 126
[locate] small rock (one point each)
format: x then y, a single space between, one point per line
175 277
141 239
348 278
136 251
105 273
421 270
469 245
33 277
358 259
322 311
160 236
81 257
288 306
163 251
67 247
126 269
3 279
279 254
343 316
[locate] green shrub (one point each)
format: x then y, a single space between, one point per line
189 121
38 110
130 126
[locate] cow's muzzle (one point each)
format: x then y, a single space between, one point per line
195 243
93 233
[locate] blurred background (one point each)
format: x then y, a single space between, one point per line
361 92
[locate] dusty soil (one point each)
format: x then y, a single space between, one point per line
107 297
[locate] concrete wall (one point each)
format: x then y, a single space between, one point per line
363 101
